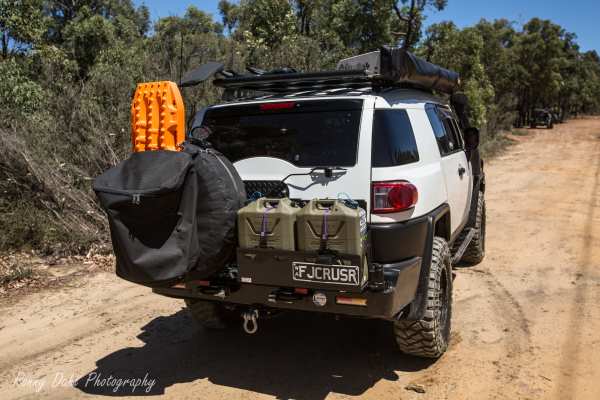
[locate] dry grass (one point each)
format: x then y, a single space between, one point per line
495 146
26 272
16 272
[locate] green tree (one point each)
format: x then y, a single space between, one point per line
62 12
411 15
229 14
499 60
539 51
86 36
19 95
22 24
461 51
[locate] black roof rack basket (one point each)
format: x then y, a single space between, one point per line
387 67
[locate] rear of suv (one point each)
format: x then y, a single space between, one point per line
400 154
542 117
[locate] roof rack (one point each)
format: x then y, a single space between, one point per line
297 81
385 68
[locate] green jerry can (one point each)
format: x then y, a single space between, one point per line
267 223
328 224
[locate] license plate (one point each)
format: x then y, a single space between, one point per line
323 273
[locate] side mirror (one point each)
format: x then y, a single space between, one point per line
471 138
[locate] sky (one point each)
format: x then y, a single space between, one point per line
579 16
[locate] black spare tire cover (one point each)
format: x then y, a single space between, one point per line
221 194
171 214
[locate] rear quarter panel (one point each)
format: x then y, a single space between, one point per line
426 174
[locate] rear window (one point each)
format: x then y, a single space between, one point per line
393 139
305 133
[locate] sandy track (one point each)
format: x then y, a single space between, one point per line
526 321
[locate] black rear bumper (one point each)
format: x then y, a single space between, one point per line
401 280
400 260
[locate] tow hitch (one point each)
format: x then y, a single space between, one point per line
250 321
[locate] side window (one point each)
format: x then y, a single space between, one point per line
459 135
451 128
445 128
451 132
439 130
393 139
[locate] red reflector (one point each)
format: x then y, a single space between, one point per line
351 301
389 197
201 283
277 106
300 290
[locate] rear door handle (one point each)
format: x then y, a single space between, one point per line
461 171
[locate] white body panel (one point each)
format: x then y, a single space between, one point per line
436 178
458 187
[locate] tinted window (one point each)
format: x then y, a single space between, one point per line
460 143
307 134
452 143
451 128
444 143
393 139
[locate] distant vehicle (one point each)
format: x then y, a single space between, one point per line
542 117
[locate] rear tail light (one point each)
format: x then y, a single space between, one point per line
390 197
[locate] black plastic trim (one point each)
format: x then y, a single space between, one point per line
401 284
478 186
419 304
398 240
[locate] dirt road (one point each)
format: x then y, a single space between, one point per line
526 321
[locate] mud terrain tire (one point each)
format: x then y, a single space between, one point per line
475 252
210 315
429 336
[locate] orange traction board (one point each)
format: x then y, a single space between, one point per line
157 117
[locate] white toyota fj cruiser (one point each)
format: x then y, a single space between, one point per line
406 156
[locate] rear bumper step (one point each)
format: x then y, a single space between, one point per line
399 290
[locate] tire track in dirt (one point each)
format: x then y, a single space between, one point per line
511 313
571 348
508 313
73 326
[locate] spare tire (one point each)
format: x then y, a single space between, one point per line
171 213
222 194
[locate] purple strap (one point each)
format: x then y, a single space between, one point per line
263 229
324 230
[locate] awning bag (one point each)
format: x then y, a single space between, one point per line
398 65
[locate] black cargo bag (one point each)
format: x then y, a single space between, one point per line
171 213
